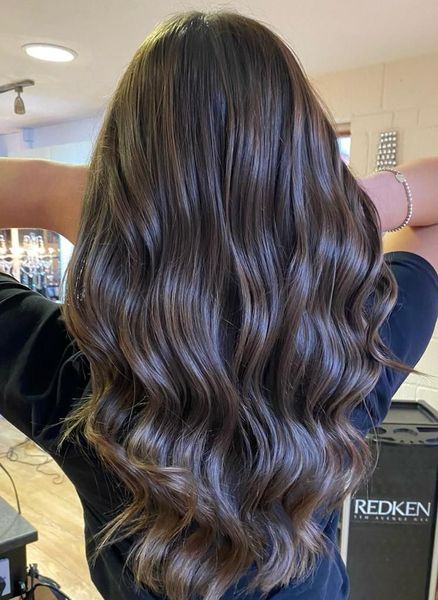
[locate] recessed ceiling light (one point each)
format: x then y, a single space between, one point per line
50 52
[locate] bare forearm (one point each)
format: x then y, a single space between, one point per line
48 195
43 194
389 195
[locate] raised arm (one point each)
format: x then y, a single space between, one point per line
48 195
388 195
41 193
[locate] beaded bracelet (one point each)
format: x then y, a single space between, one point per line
402 179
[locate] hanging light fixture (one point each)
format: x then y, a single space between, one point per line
19 108
17 87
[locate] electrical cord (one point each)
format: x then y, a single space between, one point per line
12 455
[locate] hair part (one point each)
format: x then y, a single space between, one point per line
227 289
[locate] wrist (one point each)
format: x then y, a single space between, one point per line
388 196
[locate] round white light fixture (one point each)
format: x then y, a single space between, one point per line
50 52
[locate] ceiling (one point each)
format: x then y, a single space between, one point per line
327 35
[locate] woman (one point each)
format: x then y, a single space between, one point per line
231 328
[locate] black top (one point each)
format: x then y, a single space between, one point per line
42 373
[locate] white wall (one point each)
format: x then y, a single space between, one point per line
401 96
67 142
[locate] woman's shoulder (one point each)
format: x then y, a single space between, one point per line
406 332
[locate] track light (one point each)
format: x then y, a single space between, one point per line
17 87
19 107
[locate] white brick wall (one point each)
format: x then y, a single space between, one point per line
401 96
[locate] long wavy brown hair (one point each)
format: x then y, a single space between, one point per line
227 289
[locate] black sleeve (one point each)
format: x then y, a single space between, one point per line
41 370
407 331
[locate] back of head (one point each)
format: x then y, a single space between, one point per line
227 288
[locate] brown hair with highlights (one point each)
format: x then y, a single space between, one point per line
227 289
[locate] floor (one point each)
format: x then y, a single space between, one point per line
49 502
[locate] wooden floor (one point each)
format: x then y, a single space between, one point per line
54 510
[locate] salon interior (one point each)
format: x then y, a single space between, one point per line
375 66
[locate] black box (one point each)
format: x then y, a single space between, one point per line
388 532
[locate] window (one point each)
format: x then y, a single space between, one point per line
344 141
